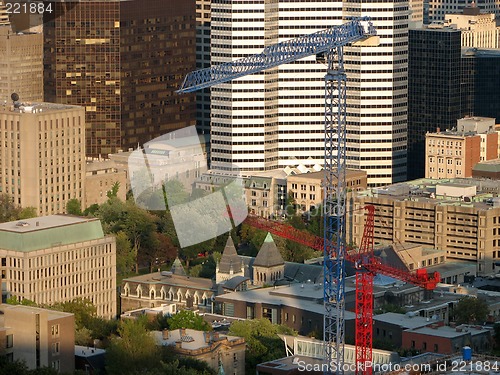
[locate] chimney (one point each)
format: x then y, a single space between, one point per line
165 334
207 337
183 331
37 223
215 336
438 130
178 344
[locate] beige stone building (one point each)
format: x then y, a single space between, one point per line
39 337
459 216
100 177
217 350
42 156
454 153
21 65
479 30
158 288
307 188
59 258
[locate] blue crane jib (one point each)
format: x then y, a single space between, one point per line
289 51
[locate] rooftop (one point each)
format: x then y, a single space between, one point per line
403 320
307 296
426 191
192 339
85 351
21 309
449 332
172 279
48 231
35 107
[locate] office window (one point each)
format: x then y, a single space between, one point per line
9 341
55 330
55 348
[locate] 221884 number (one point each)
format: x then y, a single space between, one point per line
28 8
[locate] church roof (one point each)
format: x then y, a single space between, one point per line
229 258
269 254
177 268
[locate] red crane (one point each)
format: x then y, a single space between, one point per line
367 265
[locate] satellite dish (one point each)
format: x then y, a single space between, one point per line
14 96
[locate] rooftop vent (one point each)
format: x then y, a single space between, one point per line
22 224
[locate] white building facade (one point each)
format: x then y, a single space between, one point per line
275 119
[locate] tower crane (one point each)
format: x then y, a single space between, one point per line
366 265
330 42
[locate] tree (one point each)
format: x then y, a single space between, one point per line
188 319
27 213
134 351
125 254
263 342
470 310
74 207
83 309
113 193
8 210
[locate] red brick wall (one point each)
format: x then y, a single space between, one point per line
492 146
472 153
443 343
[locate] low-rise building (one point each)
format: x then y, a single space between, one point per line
307 188
155 289
216 349
459 216
487 169
90 360
454 153
447 340
39 337
298 306
100 177
58 258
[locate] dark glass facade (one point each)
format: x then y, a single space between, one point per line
434 89
122 61
487 84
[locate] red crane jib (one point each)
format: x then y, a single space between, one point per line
419 278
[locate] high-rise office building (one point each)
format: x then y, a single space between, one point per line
482 66
122 60
21 65
377 93
42 156
275 118
435 10
479 30
434 89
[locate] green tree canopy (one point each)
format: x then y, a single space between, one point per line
263 343
74 207
134 351
188 319
470 310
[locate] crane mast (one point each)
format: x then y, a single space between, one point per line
331 42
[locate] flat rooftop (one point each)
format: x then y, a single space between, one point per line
21 309
308 298
36 107
403 320
424 190
449 332
48 231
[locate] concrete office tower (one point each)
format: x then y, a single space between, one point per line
435 10
122 60
276 118
42 158
377 93
59 258
434 89
416 13
478 30
21 64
